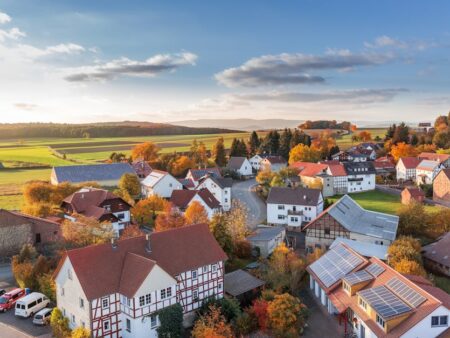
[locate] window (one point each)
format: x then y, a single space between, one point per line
280 217
194 274
62 291
281 207
73 319
107 207
128 325
69 274
163 293
439 321
148 298
327 231
105 302
82 303
194 295
121 216
169 292
106 325
153 321
363 304
205 268
141 300
38 238
214 267
380 321
220 286
226 200
346 287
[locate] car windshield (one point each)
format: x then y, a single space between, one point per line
38 317
3 300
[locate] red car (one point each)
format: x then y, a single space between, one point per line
8 300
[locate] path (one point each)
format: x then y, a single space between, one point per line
244 192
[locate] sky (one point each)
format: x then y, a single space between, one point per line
163 61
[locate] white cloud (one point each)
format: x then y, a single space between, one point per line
385 41
4 18
12 34
65 48
25 106
125 66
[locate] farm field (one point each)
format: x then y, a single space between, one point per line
378 201
345 141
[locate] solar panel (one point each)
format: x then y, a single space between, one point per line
405 292
374 269
335 264
358 277
384 302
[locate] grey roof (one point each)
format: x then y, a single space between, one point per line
364 249
238 282
359 168
296 196
356 219
92 172
236 162
223 182
265 233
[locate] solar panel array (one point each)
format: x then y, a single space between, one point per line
405 292
335 264
374 269
358 277
384 302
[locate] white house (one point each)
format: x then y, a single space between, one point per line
373 300
255 161
267 238
443 159
240 165
406 168
360 176
427 170
288 206
160 183
273 163
116 290
219 187
182 199
195 175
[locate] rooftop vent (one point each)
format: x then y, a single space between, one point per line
148 247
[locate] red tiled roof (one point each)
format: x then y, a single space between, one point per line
309 168
415 192
434 157
100 268
182 198
410 162
438 251
337 170
86 198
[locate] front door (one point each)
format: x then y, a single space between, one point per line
363 331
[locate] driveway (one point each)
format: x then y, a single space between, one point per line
6 276
244 192
17 327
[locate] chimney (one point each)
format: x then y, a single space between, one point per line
148 247
114 243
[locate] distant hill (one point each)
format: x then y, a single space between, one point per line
240 124
102 129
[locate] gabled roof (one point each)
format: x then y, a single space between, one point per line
359 168
434 157
14 218
142 168
154 177
266 233
438 251
275 159
294 196
309 168
359 220
182 198
415 192
100 268
187 183
197 174
336 170
364 249
445 171
92 172
410 162
236 162
222 182
428 165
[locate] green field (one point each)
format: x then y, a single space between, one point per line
345 141
378 201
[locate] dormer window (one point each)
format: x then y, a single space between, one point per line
363 304
107 207
380 321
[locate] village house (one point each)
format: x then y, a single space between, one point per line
373 300
424 127
355 154
317 176
443 159
142 168
107 175
219 187
384 166
360 176
241 166
406 168
426 171
160 183
116 290
255 161
273 163
436 256
182 199
346 218
17 229
441 186
363 248
195 175
410 194
293 206
267 238
99 204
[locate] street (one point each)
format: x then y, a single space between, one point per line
257 211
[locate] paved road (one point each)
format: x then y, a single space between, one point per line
243 191
6 276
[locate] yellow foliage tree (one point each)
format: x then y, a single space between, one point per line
81 332
304 153
403 150
147 151
86 231
144 211
212 325
285 315
196 213
410 267
170 219
181 165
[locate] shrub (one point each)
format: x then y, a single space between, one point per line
59 324
243 249
171 319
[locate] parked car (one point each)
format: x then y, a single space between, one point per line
42 317
31 304
9 299
2 292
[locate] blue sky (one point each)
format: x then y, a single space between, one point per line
85 61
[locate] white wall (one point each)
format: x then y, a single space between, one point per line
308 215
367 183
424 328
245 169
164 187
222 195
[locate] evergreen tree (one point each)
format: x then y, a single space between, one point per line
285 143
219 153
271 143
253 143
242 148
234 147
401 134
299 137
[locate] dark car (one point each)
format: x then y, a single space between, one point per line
2 292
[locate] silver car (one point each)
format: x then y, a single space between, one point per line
42 317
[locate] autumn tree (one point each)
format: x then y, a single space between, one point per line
130 184
405 256
365 136
59 324
85 231
408 267
313 256
304 153
236 220
286 315
144 212
218 153
402 149
264 177
181 165
80 332
212 325
196 213
412 219
219 229
131 230
259 308
438 222
170 219
147 151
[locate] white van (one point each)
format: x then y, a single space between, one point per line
30 304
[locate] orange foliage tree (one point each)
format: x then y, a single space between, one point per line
402 149
147 151
170 219
259 308
132 230
286 315
212 325
302 152
365 136
144 211
181 165
196 213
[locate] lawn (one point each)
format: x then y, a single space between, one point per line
345 142
378 201
443 283
11 202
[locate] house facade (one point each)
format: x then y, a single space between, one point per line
360 176
373 300
117 289
100 204
347 219
293 206
182 199
255 162
406 168
195 175
219 187
272 163
240 165
159 183
409 195
443 159
441 186
426 171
